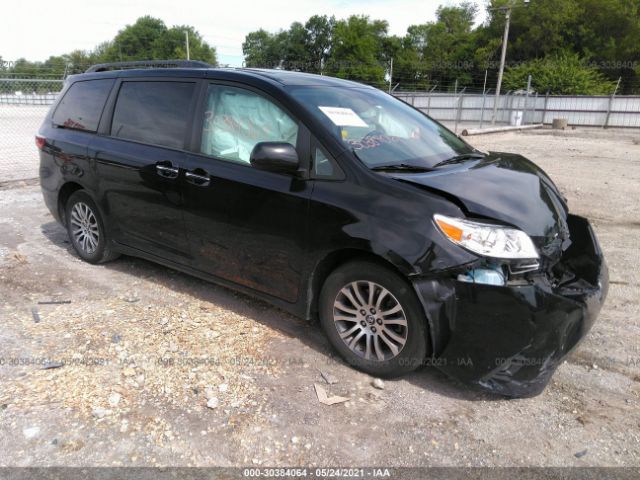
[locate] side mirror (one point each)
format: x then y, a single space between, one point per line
278 157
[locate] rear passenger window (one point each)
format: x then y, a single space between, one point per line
153 112
81 107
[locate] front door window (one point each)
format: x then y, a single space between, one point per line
236 119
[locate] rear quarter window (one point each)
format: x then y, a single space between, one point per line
82 104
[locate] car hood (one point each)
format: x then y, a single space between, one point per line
505 187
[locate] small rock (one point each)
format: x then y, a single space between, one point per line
209 392
295 440
100 412
116 338
114 399
173 347
580 454
223 387
330 379
213 402
307 446
377 383
31 432
140 380
128 372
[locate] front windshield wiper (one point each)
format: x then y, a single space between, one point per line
403 167
460 158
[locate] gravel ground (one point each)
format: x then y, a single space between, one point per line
164 369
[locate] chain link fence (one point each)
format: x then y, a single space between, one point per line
25 101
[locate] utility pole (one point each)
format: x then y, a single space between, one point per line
606 120
186 34
507 9
484 87
503 58
526 101
390 74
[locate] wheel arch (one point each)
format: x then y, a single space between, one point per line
334 260
68 189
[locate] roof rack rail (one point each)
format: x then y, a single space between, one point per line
103 67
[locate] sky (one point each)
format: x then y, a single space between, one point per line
37 29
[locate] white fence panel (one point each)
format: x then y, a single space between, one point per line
594 111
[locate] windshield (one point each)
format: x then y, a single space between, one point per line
381 130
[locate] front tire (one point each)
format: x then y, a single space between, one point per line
86 230
373 318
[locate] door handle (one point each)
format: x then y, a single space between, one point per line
166 171
197 179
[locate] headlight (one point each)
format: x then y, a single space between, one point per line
486 239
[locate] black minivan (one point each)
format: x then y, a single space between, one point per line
331 200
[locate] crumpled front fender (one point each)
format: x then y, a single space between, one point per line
510 340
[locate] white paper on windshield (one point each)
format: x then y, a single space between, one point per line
343 117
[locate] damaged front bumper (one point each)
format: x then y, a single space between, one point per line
510 339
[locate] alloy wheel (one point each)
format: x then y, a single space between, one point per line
370 320
84 228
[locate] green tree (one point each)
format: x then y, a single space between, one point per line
262 49
357 51
564 73
147 39
295 55
319 41
606 33
150 39
445 49
609 36
172 45
301 47
137 41
409 72
542 28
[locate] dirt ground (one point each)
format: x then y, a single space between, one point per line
145 349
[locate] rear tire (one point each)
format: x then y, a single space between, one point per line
373 318
86 230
